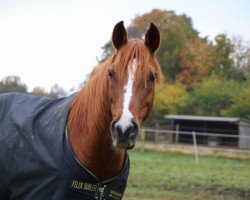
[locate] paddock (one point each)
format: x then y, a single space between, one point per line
175 176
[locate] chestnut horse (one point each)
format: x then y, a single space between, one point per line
101 121
105 115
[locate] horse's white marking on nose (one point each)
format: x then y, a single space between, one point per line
127 116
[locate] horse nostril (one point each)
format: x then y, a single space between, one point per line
118 129
113 124
135 128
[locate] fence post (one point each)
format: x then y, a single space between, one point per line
156 132
143 140
177 128
195 147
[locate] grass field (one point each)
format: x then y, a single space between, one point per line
173 176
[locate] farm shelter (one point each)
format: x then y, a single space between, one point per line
211 131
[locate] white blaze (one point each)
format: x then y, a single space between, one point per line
126 113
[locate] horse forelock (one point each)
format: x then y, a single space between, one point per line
135 49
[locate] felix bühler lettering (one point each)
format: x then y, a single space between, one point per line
83 186
93 188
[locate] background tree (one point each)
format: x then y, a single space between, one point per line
12 84
39 91
241 58
212 98
240 106
195 62
108 50
57 92
222 50
231 58
169 99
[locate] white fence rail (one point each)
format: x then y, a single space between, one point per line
207 139
152 130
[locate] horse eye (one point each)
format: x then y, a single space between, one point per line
111 74
152 78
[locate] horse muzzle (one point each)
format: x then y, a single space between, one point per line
124 137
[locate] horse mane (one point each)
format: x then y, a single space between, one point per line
85 108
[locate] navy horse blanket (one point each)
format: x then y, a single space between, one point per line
36 158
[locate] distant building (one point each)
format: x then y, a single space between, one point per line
211 131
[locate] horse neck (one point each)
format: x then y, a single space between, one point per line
89 130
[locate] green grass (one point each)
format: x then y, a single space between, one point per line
176 177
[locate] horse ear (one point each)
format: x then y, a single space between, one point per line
119 36
152 38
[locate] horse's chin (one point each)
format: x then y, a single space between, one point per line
131 146
123 146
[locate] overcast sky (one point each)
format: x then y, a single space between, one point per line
57 41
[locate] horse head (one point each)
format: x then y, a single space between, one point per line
132 75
